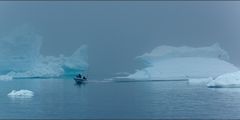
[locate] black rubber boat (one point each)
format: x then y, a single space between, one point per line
79 80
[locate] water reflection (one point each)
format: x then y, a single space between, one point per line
81 84
20 99
226 90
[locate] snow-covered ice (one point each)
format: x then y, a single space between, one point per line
21 93
177 63
226 80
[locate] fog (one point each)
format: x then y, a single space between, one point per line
117 32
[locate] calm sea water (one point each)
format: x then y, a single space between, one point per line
56 98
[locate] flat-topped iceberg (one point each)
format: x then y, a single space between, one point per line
20 57
226 80
177 63
167 52
184 68
197 81
21 94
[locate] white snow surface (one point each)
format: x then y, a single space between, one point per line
21 93
226 80
177 63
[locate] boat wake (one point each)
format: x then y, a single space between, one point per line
126 81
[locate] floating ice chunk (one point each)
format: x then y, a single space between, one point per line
5 77
226 80
108 79
194 81
123 73
21 93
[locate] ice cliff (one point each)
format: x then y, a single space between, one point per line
20 57
175 63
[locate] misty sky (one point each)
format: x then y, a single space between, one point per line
117 32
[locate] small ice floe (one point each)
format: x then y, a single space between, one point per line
228 80
108 79
21 94
123 73
197 81
5 77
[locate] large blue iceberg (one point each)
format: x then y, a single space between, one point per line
19 50
20 57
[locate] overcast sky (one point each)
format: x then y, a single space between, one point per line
117 32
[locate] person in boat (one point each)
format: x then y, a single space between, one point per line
79 76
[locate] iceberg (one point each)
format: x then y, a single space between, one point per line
20 57
78 60
167 52
21 94
178 63
226 80
19 50
122 73
50 66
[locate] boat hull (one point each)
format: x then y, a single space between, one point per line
79 80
